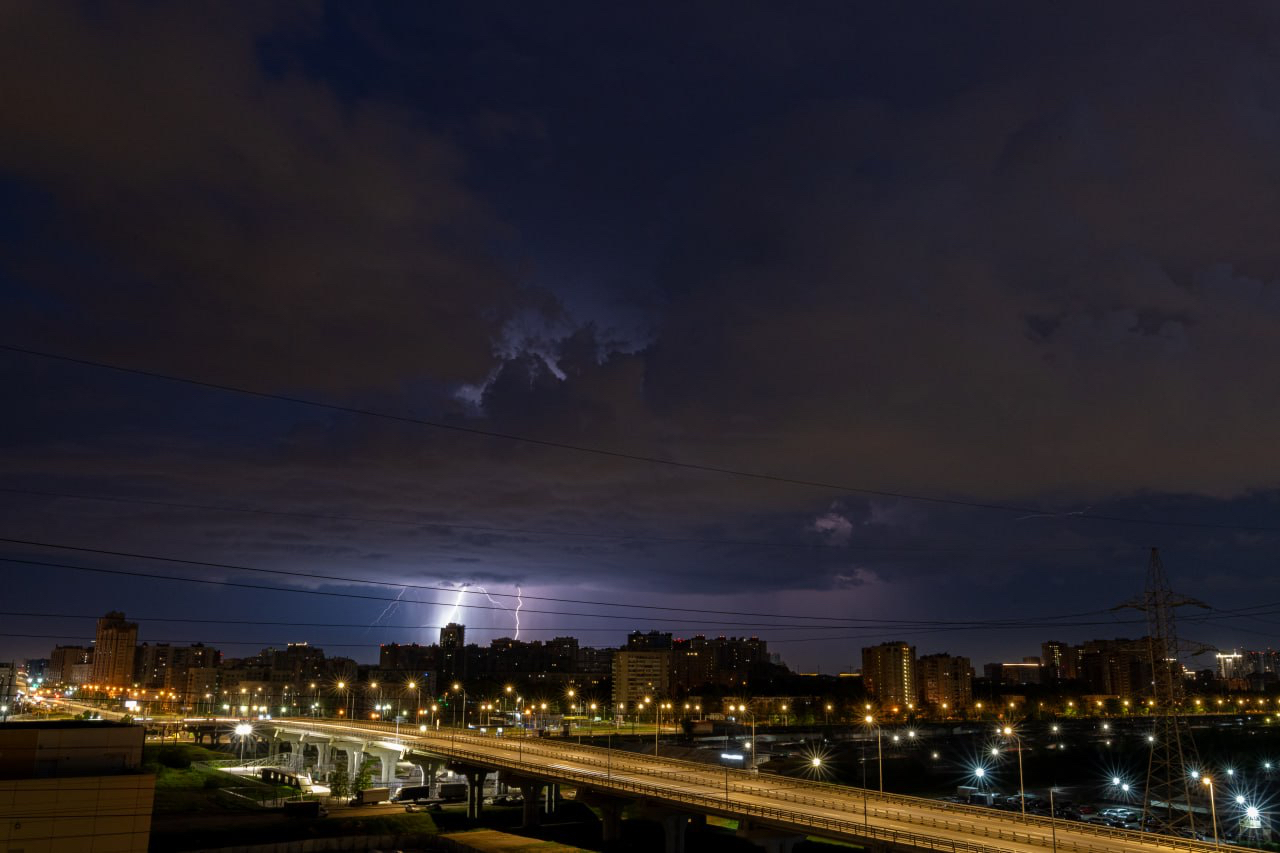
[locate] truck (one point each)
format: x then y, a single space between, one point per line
305 808
452 792
369 796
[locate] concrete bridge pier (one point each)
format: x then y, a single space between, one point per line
673 824
294 741
324 752
475 791
534 793
355 760
428 767
610 812
388 757
531 815
768 839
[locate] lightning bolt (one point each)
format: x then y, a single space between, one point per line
519 604
457 602
389 607
462 590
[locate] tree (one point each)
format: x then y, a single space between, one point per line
364 776
339 783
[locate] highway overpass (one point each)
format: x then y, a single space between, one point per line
772 810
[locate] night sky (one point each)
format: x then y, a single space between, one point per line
989 294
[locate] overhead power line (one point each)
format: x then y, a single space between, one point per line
456 590
878 626
619 454
691 625
815 544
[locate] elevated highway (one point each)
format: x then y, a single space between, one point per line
773 810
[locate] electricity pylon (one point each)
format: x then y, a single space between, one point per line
1171 792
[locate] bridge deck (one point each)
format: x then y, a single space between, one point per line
812 808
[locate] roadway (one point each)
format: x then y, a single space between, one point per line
794 805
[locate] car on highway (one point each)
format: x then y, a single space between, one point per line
504 800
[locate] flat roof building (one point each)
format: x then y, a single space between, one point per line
74 785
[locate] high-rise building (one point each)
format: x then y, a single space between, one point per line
889 673
407 657
638 641
1230 665
637 674
453 648
113 651
13 683
1255 663
62 661
945 680
1061 661
693 663
1120 667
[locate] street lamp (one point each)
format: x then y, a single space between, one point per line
1213 810
1022 793
745 710
342 688
243 731
871 721
458 687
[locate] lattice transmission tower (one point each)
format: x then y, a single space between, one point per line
1171 792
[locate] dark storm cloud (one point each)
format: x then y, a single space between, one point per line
1011 255
203 214
1055 284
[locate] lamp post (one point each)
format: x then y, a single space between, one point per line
459 687
743 709
1213 810
417 699
871 721
1053 821
243 731
1022 793
657 726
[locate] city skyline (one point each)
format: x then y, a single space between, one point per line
835 326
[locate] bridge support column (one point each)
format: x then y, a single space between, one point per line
673 825
531 815
475 792
295 742
769 840
551 798
533 791
388 757
610 812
